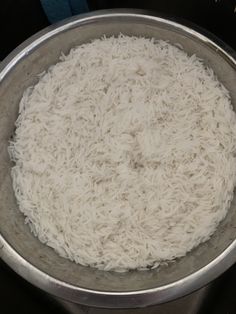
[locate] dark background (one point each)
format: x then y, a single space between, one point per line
19 19
20 297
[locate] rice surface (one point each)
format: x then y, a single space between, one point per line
124 154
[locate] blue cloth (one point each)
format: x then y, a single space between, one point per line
57 10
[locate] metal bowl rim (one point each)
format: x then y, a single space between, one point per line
114 299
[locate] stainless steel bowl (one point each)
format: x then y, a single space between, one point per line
38 263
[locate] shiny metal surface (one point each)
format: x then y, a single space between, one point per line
41 265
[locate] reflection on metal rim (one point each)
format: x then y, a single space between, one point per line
100 298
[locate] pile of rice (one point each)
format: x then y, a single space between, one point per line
124 154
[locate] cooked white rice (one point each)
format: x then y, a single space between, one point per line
124 154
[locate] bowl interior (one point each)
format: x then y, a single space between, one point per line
23 74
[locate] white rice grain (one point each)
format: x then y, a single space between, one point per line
124 154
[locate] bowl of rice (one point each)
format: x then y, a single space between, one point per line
118 159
